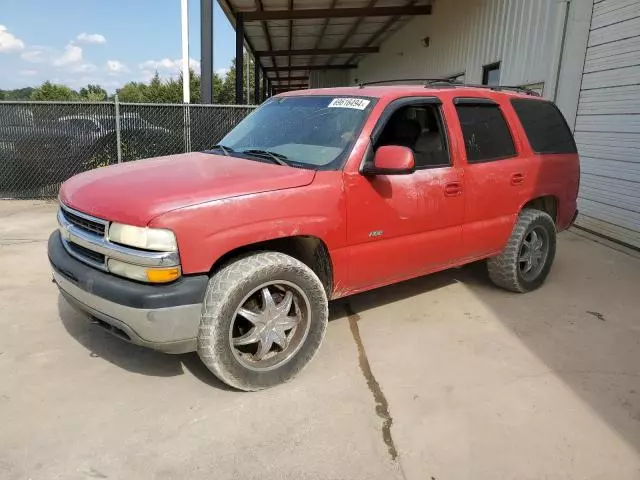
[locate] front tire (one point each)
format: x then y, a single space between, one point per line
263 319
526 260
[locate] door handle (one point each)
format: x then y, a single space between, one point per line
453 189
517 179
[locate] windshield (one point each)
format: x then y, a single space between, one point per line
312 132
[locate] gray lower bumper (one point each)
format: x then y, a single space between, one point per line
170 330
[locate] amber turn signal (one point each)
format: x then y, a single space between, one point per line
163 275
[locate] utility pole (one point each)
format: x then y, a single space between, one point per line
186 83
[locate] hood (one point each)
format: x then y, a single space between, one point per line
136 192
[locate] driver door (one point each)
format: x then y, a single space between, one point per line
402 226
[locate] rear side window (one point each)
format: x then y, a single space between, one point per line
545 126
485 131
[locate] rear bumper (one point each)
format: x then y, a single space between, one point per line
162 317
573 219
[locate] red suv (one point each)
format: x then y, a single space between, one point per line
234 252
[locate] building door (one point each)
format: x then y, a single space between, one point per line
607 129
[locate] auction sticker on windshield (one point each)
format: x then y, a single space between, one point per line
357 103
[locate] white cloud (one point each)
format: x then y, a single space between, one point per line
88 38
72 54
28 73
146 76
167 65
164 64
83 68
115 67
36 54
195 64
9 42
222 72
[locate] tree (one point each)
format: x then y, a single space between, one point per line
52 91
227 93
93 93
161 91
17 94
133 92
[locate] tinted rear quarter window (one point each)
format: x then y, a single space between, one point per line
485 131
545 126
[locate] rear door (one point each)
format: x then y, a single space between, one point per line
401 226
497 175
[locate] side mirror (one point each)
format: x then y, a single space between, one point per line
391 160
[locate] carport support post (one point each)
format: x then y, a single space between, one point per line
206 51
239 58
264 85
118 139
256 81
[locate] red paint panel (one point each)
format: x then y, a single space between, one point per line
209 230
136 192
400 226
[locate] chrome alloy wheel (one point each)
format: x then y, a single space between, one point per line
270 325
533 253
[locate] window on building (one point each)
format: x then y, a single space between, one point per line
491 74
545 126
485 131
420 128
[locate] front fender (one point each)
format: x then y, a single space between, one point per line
208 231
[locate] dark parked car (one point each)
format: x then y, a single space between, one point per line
38 152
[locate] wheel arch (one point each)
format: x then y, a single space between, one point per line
545 203
309 249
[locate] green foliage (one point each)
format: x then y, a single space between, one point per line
158 90
17 94
133 92
52 91
165 91
93 93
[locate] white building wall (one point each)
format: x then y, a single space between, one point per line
524 35
328 78
607 127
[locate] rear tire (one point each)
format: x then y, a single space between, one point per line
527 258
263 319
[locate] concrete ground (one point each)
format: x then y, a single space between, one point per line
444 377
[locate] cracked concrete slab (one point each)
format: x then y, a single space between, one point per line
463 381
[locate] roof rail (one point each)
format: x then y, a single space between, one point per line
448 82
426 81
497 88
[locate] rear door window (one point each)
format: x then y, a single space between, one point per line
545 126
485 131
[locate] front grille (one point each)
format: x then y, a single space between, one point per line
86 253
83 223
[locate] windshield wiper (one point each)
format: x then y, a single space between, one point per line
224 149
276 157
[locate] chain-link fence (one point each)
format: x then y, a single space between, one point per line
44 143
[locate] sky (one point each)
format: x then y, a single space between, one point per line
108 42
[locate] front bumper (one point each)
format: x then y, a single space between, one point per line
162 317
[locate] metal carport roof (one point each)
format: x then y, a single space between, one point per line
290 38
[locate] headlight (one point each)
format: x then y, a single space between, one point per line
144 274
157 239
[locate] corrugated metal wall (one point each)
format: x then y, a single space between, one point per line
608 123
524 35
328 78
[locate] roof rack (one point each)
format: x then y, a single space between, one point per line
450 83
